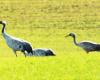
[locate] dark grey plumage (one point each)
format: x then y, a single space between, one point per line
16 44
42 52
86 45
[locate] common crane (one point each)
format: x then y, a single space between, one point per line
16 44
88 46
42 52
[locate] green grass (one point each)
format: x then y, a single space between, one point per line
44 23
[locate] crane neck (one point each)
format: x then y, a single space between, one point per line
3 28
75 42
3 31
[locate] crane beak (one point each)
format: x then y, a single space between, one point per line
67 36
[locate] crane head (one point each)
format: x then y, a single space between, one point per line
70 34
2 22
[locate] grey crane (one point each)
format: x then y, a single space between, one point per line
88 46
42 52
16 44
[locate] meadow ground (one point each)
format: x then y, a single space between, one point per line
44 23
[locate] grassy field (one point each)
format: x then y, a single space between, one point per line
44 23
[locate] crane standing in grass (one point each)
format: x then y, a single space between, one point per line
16 44
86 45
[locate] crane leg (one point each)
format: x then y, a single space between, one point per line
87 52
15 52
24 53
